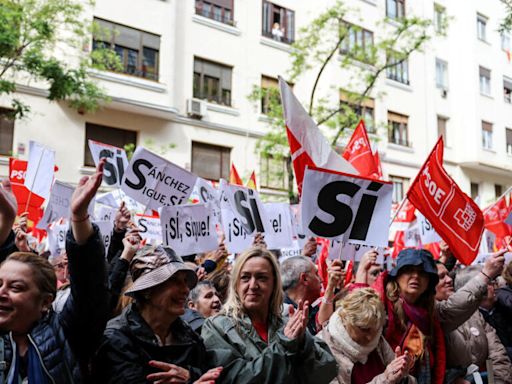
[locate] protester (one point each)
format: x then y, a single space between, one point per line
500 318
60 266
203 302
252 341
149 341
42 346
335 282
475 341
354 334
301 282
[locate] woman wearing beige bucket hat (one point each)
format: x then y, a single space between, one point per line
149 342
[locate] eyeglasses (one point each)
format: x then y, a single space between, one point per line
60 265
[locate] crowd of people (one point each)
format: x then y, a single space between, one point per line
139 313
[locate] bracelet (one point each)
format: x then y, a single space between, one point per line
326 301
80 220
486 275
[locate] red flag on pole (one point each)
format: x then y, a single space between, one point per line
359 152
454 215
251 183
495 216
376 159
234 177
308 146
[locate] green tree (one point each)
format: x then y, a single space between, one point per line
46 41
324 42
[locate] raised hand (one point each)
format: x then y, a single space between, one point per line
21 240
170 373
259 240
494 264
368 259
309 249
336 275
122 218
8 209
297 323
398 368
131 243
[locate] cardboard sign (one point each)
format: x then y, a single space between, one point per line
353 252
298 232
412 238
113 199
156 182
287 252
57 238
207 194
427 232
151 228
59 205
41 163
346 207
105 213
189 229
236 237
279 217
106 228
116 162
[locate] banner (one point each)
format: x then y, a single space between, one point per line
116 161
246 206
151 228
189 229
427 232
156 182
346 207
41 163
308 146
454 215
359 152
280 234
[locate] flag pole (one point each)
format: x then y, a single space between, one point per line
33 181
398 210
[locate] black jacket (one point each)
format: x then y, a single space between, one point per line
129 344
66 341
194 319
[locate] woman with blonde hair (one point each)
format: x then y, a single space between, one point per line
252 341
354 334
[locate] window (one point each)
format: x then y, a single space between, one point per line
481 26
486 135
270 90
441 128
505 41
485 81
366 111
138 51
278 23
219 10
273 172
509 140
507 90
212 81
210 162
441 74
498 190
6 132
398 133
395 8
108 135
358 43
475 190
439 17
399 184
398 70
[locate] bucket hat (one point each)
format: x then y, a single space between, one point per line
417 257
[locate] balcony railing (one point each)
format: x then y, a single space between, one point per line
211 14
276 37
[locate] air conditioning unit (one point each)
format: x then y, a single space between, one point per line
444 93
196 108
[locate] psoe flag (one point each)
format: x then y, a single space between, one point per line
454 215
344 207
359 152
308 146
41 164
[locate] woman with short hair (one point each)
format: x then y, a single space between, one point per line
354 334
252 341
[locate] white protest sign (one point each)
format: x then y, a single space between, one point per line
105 213
427 232
335 248
356 251
116 161
298 232
40 168
189 229
207 194
279 217
287 252
59 205
412 236
246 206
106 228
57 238
150 226
346 207
113 199
156 182
236 237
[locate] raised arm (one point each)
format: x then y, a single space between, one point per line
8 209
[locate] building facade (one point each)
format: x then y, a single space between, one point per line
189 66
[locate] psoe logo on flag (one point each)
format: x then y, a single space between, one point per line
465 218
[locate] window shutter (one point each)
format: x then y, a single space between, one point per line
486 126
509 136
151 41
396 117
485 72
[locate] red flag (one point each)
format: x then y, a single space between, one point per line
398 243
17 170
321 262
349 273
234 178
359 152
454 215
495 216
308 147
251 183
376 159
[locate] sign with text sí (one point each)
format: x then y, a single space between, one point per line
116 161
189 229
150 228
156 182
346 207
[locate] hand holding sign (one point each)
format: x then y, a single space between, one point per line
122 218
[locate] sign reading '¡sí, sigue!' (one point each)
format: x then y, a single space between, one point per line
156 182
346 207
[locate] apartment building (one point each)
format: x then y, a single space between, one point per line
189 65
